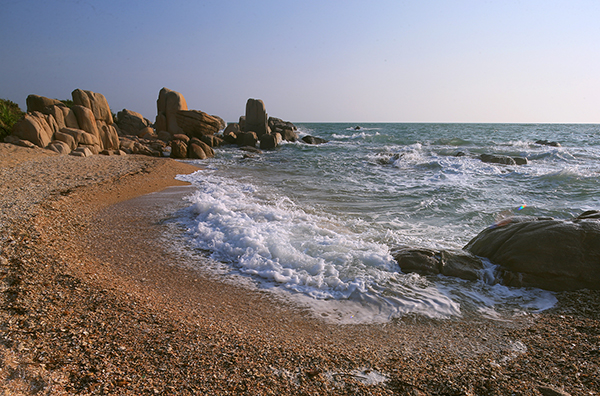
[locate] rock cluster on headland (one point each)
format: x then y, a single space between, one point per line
546 253
89 127
85 128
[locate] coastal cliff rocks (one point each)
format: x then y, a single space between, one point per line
34 127
212 141
546 253
130 122
137 145
49 120
89 122
183 147
94 101
79 136
39 103
179 149
196 123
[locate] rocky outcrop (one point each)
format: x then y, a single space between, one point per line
136 145
177 125
168 104
545 253
130 122
286 129
39 103
456 263
60 147
212 141
80 137
208 151
247 139
89 123
94 101
179 149
195 151
195 123
222 123
256 117
256 128
34 127
49 121
270 141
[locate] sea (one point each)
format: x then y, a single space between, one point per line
317 224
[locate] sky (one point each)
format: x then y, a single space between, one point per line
314 61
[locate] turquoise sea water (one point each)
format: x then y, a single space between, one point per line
317 222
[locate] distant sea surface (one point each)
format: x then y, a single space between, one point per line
317 223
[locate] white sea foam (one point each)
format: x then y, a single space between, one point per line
338 266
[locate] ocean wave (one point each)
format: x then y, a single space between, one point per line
332 260
452 142
356 135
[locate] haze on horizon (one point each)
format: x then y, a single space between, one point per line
320 61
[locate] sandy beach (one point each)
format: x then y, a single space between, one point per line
95 301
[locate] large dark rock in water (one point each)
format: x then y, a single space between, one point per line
457 263
313 140
547 143
502 159
550 254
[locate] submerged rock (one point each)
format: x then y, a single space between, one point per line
502 159
313 140
547 143
457 263
546 253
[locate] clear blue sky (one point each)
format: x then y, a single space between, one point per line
355 61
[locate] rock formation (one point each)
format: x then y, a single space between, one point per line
168 104
556 255
48 122
546 253
130 122
313 140
254 128
39 103
195 123
96 102
256 117
178 125
457 263
89 124
286 129
270 140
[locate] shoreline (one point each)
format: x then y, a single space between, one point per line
95 303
